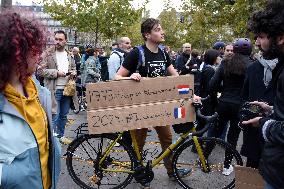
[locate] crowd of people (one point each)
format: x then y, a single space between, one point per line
34 105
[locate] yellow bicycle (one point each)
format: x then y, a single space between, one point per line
108 161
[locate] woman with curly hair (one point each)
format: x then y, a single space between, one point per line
29 155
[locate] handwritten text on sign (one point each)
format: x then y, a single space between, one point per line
127 92
120 119
111 95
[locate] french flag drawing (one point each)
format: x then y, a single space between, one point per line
183 89
179 113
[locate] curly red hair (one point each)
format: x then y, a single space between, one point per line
18 38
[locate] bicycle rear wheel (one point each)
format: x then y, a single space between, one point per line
84 154
214 151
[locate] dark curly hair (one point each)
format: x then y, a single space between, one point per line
269 20
18 38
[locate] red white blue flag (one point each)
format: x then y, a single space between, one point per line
183 89
179 112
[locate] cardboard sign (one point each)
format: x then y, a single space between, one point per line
248 178
129 92
140 116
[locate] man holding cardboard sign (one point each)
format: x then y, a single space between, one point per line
150 60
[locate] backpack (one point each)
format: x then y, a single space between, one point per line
104 68
121 58
141 61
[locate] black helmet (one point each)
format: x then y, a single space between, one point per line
242 46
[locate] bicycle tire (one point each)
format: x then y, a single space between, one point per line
84 151
185 158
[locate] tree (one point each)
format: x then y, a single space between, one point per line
107 17
174 30
217 20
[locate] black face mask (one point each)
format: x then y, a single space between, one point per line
274 50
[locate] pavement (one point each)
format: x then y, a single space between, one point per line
161 180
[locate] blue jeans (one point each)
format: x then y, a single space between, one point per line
268 186
63 106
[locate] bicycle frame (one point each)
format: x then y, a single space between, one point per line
157 160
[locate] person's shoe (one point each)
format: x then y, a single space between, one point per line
228 171
64 140
76 111
181 172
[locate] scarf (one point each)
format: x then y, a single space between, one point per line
268 66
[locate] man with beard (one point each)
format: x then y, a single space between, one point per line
268 25
59 66
183 62
117 56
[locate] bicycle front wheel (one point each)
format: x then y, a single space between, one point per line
84 155
220 159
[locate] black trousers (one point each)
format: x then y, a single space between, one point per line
228 112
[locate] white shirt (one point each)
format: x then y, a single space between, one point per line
62 65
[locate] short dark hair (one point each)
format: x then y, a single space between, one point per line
270 20
61 32
115 43
210 56
194 53
148 25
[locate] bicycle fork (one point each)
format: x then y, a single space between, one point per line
200 154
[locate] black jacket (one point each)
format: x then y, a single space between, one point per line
230 86
182 60
255 90
206 74
272 162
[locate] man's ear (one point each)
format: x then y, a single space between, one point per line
280 39
147 35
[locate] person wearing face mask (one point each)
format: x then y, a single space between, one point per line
29 153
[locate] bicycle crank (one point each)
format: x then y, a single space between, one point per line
144 175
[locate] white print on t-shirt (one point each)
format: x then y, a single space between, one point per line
156 68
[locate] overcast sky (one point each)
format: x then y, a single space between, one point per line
155 6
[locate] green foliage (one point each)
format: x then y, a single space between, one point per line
174 30
207 21
111 16
217 20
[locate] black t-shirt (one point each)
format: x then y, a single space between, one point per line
155 63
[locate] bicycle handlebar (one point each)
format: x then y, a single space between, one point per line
208 119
